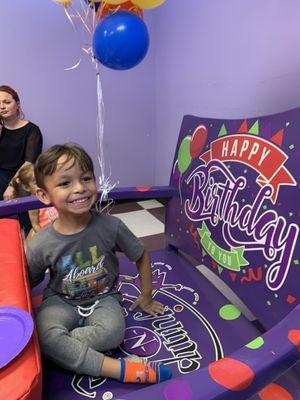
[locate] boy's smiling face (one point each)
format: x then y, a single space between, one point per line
69 189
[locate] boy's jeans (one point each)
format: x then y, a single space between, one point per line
74 342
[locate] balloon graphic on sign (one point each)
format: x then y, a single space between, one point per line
184 156
198 141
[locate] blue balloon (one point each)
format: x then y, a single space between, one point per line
121 40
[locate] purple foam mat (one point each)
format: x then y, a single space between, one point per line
199 326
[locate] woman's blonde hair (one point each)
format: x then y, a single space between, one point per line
23 180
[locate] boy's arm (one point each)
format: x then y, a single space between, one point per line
128 243
145 300
34 219
36 268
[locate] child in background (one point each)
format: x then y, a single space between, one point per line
24 184
81 313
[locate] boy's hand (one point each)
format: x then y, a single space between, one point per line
147 304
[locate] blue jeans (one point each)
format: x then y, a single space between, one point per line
74 342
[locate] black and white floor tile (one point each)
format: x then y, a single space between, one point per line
145 219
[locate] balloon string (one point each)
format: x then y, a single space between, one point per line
87 8
100 125
100 10
83 5
74 66
76 14
83 20
110 9
69 16
105 184
93 20
74 28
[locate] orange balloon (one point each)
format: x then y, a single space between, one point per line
106 9
114 1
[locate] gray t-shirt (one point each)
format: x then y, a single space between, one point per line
83 266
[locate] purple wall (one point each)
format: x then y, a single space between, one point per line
37 44
212 58
225 59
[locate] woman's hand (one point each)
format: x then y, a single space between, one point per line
9 193
147 304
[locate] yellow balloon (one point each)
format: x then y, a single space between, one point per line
147 3
114 1
65 2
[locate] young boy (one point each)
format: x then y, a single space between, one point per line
81 316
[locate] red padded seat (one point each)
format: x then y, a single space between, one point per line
21 379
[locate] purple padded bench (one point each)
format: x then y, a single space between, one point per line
232 214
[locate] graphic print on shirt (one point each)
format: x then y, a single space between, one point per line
84 278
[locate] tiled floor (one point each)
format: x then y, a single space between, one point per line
145 219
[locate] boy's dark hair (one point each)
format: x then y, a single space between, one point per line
46 163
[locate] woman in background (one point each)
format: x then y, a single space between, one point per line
20 140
